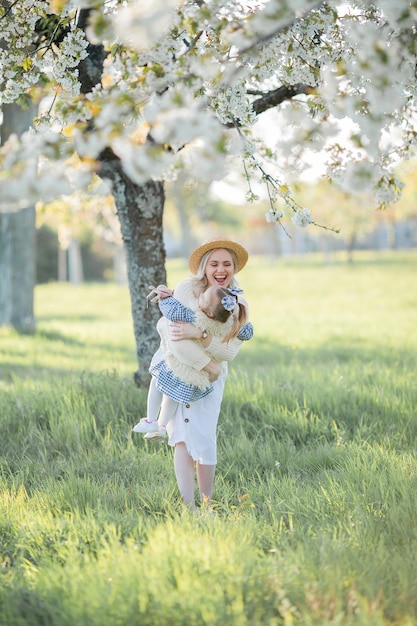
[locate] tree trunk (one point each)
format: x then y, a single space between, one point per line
140 210
5 269
17 243
75 263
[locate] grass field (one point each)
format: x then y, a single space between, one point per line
315 511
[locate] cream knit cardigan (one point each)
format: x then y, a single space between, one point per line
176 360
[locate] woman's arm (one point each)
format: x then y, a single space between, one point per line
181 337
223 351
185 350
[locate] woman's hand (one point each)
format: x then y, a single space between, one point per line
183 330
213 370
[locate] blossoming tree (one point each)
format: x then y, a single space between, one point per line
138 91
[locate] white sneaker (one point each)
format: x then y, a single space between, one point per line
144 426
156 436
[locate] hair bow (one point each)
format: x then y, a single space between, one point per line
235 291
229 303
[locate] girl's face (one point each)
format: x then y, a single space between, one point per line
220 268
207 301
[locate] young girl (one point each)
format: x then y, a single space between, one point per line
174 379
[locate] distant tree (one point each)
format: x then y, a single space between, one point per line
352 214
17 240
47 257
406 207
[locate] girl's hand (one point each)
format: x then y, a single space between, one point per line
161 291
183 330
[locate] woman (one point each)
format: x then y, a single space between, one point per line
192 429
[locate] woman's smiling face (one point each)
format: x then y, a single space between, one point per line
220 268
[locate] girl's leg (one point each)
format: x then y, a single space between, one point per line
154 401
205 477
184 472
168 408
149 423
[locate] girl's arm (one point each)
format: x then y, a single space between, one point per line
246 332
172 309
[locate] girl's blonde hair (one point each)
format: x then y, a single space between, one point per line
220 314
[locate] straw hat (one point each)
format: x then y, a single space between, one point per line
215 244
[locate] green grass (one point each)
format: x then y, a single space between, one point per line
315 512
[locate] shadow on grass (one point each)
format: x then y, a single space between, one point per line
333 393
69 318
263 353
54 335
11 371
55 344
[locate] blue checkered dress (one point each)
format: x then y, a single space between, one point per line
166 381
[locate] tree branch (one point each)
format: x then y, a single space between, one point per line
278 96
91 68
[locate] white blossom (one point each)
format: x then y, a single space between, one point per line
187 76
302 218
143 22
274 216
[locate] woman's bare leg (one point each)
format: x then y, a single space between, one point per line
184 472
205 477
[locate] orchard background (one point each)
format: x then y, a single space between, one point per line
103 103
